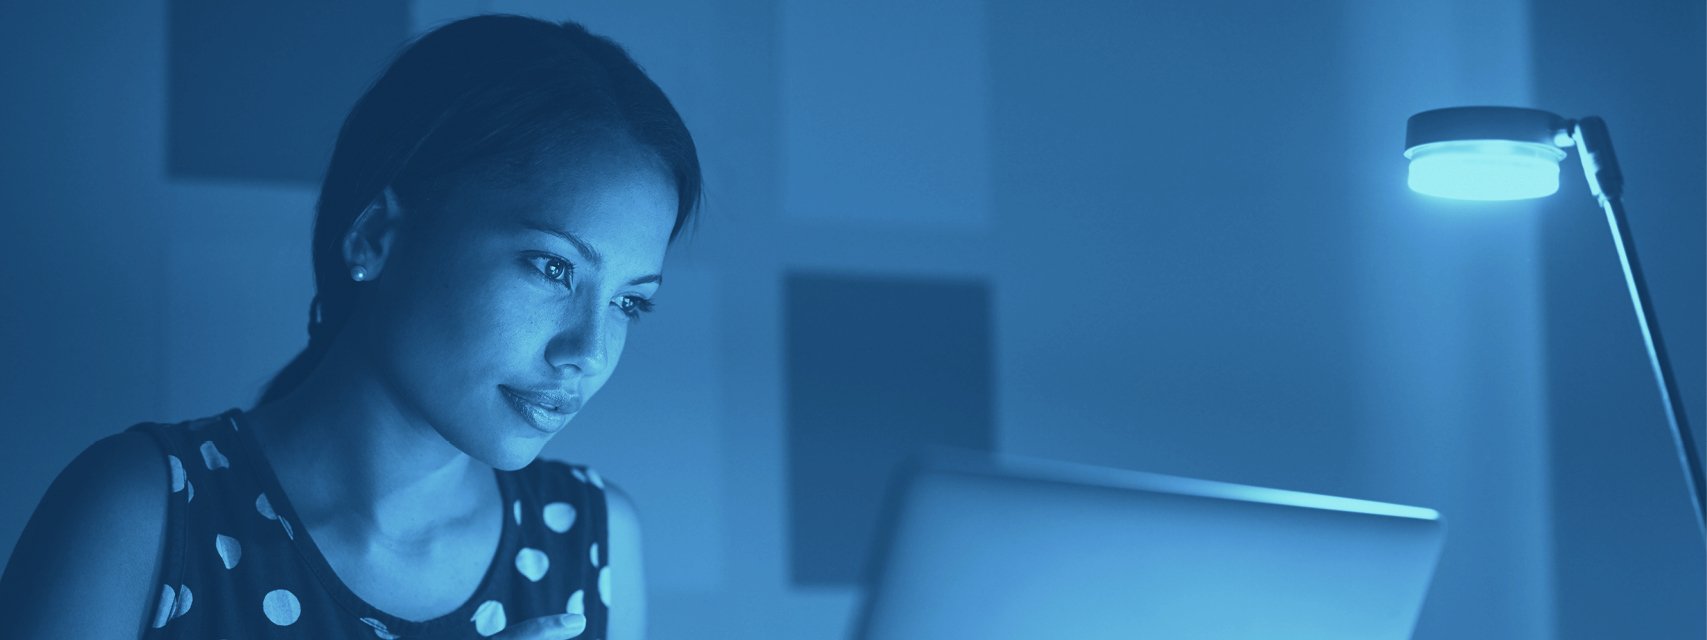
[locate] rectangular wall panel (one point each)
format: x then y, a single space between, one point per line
875 368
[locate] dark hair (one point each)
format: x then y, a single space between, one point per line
492 90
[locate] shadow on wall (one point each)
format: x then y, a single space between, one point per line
876 369
297 67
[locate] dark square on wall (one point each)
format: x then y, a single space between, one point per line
876 368
258 90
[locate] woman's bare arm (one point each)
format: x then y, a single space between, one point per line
88 563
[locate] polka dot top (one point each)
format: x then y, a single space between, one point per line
239 565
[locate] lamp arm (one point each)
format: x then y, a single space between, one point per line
1606 181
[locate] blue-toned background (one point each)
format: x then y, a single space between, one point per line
1169 235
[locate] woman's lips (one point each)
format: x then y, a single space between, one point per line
546 410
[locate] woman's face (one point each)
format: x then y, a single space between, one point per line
499 314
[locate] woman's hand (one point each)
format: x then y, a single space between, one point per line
558 627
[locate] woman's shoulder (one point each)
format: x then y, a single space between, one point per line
169 436
580 479
554 470
97 535
127 477
122 470
569 480
622 577
119 476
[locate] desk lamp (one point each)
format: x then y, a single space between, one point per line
1510 153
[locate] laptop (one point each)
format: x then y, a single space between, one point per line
1004 547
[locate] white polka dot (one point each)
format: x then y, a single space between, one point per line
286 524
532 563
559 516
594 476
265 507
184 600
577 603
593 553
576 471
380 630
281 607
516 510
163 612
229 550
177 472
604 586
489 618
212 457
190 491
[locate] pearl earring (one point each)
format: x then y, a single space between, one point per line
358 273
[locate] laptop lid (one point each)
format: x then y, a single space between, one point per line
1003 547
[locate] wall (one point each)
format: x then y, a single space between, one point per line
1253 294
1450 316
1629 556
81 239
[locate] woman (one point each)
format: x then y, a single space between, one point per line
494 218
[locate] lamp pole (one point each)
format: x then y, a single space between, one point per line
1606 181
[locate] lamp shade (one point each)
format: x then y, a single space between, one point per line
1484 153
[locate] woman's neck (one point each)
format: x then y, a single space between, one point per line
354 460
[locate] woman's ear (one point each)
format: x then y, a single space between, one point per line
371 237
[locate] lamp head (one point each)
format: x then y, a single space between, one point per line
1486 153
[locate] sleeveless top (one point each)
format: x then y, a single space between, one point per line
238 563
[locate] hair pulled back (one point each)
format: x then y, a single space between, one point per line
488 91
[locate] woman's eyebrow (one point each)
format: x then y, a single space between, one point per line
587 250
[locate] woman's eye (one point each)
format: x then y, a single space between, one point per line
633 306
556 269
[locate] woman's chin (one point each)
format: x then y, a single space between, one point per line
515 457
509 451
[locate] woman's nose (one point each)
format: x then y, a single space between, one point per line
580 342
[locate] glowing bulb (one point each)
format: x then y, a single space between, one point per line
1485 169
